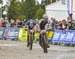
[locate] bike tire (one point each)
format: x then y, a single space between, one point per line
44 44
31 41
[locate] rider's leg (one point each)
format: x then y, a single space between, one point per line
47 40
28 41
33 36
40 40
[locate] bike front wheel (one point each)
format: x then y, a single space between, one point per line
44 44
31 42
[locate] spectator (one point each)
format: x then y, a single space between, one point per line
1 22
59 26
48 26
54 23
64 24
69 23
12 22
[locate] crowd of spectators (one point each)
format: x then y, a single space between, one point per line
54 24
63 24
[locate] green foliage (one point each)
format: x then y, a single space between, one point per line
26 9
11 9
22 17
40 11
1 1
30 9
53 0
45 2
15 10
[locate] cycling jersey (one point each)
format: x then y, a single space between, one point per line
42 25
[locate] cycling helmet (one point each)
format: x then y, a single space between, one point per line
31 22
45 16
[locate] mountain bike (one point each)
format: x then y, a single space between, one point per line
43 41
30 39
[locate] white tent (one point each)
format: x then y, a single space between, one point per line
59 10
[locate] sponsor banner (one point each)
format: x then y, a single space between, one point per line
1 32
69 36
11 33
62 36
22 34
56 36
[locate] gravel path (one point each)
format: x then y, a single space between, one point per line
18 50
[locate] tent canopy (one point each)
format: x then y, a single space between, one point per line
59 6
58 10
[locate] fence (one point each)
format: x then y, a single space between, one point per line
58 36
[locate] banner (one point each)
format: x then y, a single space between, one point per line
1 32
62 36
50 34
70 6
56 36
69 36
22 34
11 33
73 40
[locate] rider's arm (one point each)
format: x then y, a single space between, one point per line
26 27
36 28
47 27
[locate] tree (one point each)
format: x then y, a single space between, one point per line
15 10
30 9
39 13
1 1
25 9
46 2
53 1
11 10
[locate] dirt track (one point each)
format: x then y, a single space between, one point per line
18 50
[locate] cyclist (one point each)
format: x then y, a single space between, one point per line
49 31
30 26
42 27
48 26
